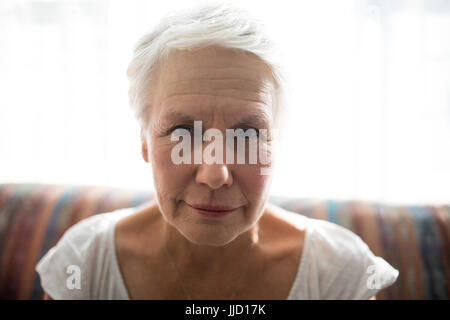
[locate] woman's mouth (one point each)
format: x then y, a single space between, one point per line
212 210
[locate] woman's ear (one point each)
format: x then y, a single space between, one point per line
144 147
144 150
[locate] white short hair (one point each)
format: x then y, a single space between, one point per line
220 24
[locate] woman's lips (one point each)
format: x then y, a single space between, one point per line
212 210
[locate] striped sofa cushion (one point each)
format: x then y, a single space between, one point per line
413 239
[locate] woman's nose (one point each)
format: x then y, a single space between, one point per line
214 175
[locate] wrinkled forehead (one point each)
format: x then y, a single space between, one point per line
213 77
217 61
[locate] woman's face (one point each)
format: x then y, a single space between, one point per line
224 89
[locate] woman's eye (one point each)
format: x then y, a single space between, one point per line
184 127
247 132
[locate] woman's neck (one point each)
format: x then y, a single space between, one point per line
203 259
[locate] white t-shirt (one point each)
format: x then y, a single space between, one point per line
335 262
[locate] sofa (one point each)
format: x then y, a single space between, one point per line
414 239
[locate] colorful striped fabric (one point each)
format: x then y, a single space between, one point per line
413 239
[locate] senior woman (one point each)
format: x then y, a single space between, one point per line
210 233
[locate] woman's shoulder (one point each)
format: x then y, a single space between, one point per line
335 239
68 269
324 232
97 224
89 232
332 239
284 229
345 266
282 217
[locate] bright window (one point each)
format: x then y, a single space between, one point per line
369 95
